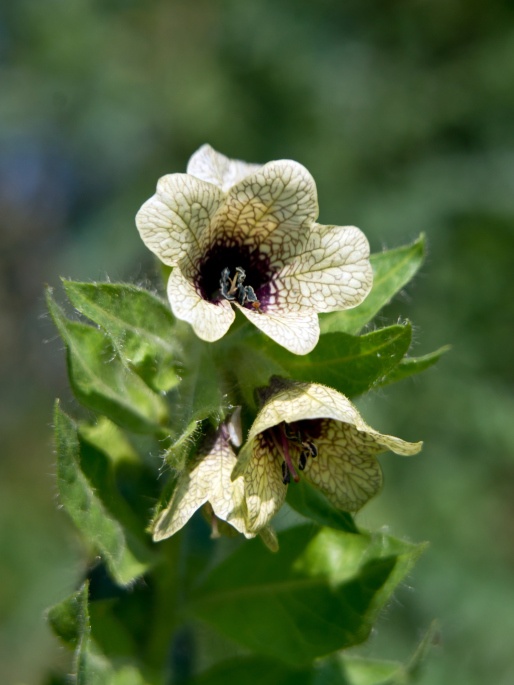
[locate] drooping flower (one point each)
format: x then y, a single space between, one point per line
206 480
245 236
314 430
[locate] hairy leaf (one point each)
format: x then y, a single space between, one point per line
102 381
125 557
139 324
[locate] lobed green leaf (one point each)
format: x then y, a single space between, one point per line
102 381
139 324
392 270
125 556
320 594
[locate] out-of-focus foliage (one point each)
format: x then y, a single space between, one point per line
403 113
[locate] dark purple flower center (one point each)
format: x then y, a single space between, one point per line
295 441
222 256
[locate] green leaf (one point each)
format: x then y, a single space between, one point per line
125 558
102 381
320 594
200 394
139 324
350 364
70 621
243 671
391 271
359 671
310 503
179 451
409 366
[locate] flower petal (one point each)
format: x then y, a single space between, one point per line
213 167
296 401
210 321
264 490
208 479
297 332
271 209
173 221
345 470
332 273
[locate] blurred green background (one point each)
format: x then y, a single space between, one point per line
402 110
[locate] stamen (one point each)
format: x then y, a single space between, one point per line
232 288
286 476
302 463
311 449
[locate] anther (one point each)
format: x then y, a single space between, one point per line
302 462
286 476
310 447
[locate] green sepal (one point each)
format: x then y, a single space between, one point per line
124 554
392 270
139 324
102 381
321 593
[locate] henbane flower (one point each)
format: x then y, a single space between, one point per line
245 236
206 479
309 428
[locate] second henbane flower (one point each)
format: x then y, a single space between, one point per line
245 236
311 429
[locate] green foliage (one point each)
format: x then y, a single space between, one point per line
87 502
350 364
321 593
139 324
140 371
102 381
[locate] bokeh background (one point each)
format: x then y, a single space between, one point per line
403 111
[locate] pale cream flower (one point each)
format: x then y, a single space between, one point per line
245 236
206 479
309 428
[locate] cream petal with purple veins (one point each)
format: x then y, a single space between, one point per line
331 274
272 210
310 428
215 168
174 221
264 490
207 479
210 321
297 332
